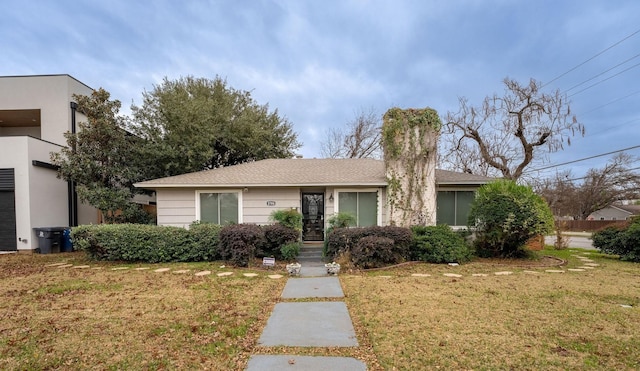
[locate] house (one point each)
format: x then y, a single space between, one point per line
35 112
318 188
615 212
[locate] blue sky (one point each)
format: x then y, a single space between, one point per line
321 62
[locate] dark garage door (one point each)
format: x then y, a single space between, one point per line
7 211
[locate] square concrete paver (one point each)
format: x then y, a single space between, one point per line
307 363
318 287
309 324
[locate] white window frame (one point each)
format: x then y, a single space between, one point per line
237 191
378 192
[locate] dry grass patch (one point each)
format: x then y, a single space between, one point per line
65 318
569 320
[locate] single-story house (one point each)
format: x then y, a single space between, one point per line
318 188
615 212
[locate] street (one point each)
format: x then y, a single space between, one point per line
581 242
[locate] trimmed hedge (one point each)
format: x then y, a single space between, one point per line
439 244
375 252
276 236
622 241
148 243
240 242
343 240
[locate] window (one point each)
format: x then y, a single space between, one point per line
219 208
363 205
453 207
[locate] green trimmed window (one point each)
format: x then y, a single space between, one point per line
363 205
454 207
219 208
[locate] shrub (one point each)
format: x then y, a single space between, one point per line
205 241
374 252
622 241
343 240
276 236
135 242
288 217
439 244
239 242
290 251
608 240
506 216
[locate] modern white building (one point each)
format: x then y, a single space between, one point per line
35 112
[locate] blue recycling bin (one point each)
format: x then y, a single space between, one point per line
67 244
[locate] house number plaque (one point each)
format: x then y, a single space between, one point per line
271 203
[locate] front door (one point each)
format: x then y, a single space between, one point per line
313 216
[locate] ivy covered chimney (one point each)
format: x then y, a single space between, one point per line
410 141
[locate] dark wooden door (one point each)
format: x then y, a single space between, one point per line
313 216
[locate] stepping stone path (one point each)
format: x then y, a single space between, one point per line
250 274
554 271
308 324
420 275
452 275
81 266
224 274
203 273
181 271
161 270
503 273
142 268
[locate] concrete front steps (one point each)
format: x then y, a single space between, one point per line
311 252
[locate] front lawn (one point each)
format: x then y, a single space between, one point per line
526 319
407 318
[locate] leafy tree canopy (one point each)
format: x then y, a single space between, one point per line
506 215
192 124
100 158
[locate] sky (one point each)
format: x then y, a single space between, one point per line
321 63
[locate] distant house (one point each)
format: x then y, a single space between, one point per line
35 112
615 212
318 188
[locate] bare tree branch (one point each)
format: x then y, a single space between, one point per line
512 131
359 139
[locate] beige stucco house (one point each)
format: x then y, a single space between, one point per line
35 112
318 188
615 212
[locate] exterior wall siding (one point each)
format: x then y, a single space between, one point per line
257 206
176 207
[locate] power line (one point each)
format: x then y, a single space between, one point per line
585 177
613 101
602 73
601 81
582 159
590 59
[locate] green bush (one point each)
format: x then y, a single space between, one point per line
439 244
290 251
276 236
622 241
375 252
135 242
205 241
506 216
343 240
147 243
239 243
288 217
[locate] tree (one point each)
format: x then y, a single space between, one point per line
506 215
599 188
360 138
506 134
410 141
100 159
192 124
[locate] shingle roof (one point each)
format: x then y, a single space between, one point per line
299 172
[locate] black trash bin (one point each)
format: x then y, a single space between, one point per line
49 239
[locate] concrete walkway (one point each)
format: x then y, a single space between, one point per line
308 324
